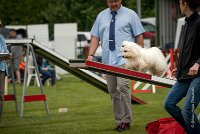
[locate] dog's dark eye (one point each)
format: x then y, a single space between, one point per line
125 51
122 45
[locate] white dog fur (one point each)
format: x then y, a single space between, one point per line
141 59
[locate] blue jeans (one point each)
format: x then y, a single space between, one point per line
50 73
185 116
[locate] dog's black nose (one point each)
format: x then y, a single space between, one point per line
122 45
125 51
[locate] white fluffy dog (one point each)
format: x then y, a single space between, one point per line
141 59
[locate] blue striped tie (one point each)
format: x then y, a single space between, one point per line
112 32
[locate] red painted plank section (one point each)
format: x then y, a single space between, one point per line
9 97
138 100
34 98
118 70
142 91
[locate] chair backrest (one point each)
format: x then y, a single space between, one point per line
31 67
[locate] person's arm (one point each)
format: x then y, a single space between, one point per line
6 57
4 50
93 47
139 40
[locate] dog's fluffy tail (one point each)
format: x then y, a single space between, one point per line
156 59
161 59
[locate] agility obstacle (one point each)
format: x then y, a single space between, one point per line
37 97
29 98
170 58
63 63
129 74
121 72
140 87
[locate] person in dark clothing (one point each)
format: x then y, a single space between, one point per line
46 70
187 72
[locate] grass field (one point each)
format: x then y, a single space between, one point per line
89 111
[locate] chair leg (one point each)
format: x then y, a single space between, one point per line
28 81
37 80
48 82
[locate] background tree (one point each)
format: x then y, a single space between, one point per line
83 12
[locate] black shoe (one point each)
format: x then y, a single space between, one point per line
118 127
125 126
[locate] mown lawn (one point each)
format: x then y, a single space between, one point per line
89 111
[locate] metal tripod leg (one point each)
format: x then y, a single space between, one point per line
14 87
25 81
38 75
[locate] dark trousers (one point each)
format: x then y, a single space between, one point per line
2 86
46 74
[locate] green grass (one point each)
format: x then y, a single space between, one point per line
89 111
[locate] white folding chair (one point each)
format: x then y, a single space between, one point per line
32 72
48 83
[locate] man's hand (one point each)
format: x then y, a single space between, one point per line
194 69
90 58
